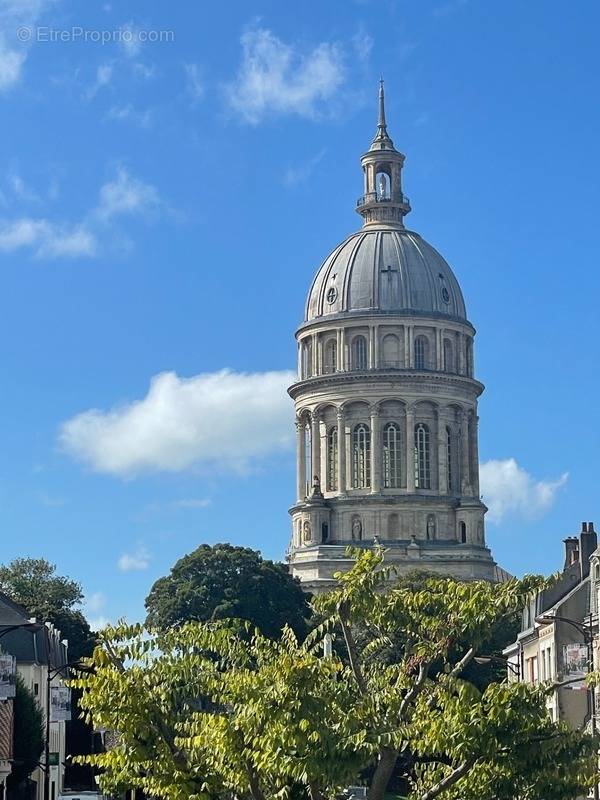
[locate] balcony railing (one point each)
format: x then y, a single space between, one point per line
373 197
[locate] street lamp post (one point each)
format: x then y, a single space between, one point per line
587 631
52 673
514 668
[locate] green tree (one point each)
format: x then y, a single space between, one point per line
224 581
28 735
205 712
34 584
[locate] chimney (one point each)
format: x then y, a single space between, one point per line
571 550
588 542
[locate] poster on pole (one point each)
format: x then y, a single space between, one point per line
575 660
8 676
60 704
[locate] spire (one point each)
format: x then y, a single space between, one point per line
381 126
383 202
382 139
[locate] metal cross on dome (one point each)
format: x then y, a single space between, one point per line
388 271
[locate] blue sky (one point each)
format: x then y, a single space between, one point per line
164 205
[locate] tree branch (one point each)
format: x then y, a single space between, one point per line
458 667
415 689
449 780
351 647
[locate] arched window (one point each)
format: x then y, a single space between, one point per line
421 353
359 352
462 529
449 460
393 526
392 456
331 356
361 457
332 459
391 351
306 358
448 356
422 457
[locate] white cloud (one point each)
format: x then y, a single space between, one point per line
93 606
277 78
221 419
46 239
126 195
104 75
509 489
16 15
301 173
191 502
195 84
130 114
130 40
134 562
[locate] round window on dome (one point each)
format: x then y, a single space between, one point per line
445 295
331 294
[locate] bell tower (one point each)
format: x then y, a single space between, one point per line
383 201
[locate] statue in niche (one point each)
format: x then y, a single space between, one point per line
356 529
431 527
382 187
316 488
307 532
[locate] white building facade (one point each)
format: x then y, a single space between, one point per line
386 399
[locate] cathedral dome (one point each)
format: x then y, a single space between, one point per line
387 270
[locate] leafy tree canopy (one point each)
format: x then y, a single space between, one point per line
28 734
204 712
34 584
224 581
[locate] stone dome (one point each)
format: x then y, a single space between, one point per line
385 270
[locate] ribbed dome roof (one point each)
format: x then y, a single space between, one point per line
385 270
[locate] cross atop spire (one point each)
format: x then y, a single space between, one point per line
382 139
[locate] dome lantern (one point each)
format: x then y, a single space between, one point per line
383 202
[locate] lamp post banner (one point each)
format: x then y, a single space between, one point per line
8 670
60 704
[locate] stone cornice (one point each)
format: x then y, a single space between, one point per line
374 316
408 376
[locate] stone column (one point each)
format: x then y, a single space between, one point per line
406 348
315 447
315 356
439 339
410 450
411 346
376 346
473 431
341 423
462 355
375 451
464 454
442 445
371 347
342 354
300 460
